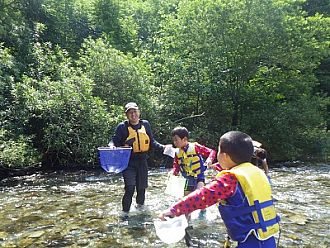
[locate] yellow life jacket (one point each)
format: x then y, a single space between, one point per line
141 139
190 162
259 205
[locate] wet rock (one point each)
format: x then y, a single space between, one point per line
3 235
36 234
298 219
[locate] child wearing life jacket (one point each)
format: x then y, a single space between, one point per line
242 192
189 159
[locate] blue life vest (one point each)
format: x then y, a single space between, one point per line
250 210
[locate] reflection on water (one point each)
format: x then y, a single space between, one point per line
82 210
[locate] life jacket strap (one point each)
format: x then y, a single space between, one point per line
256 226
192 155
256 207
239 211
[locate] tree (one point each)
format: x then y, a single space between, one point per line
118 78
214 52
55 105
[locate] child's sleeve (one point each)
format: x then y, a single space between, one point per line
206 152
218 167
176 167
219 189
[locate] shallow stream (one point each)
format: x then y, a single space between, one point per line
82 210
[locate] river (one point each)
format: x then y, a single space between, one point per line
81 209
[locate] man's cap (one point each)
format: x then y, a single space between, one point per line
131 105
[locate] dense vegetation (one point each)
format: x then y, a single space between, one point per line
67 67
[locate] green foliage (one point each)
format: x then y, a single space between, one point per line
118 78
257 66
6 78
15 150
119 29
67 23
56 105
18 152
133 25
214 52
317 6
12 23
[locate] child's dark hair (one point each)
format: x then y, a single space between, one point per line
181 132
237 145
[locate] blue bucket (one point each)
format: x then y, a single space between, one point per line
114 159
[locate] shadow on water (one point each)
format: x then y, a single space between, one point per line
83 210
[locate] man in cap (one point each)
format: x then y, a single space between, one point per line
136 133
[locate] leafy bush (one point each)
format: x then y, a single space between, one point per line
17 153
56 106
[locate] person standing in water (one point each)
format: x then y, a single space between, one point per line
247 212
189 159
136 133
189 162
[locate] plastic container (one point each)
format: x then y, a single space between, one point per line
170 151
175 186
172 230
114 159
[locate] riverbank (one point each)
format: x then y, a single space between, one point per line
7 172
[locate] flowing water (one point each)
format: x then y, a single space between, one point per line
82 210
